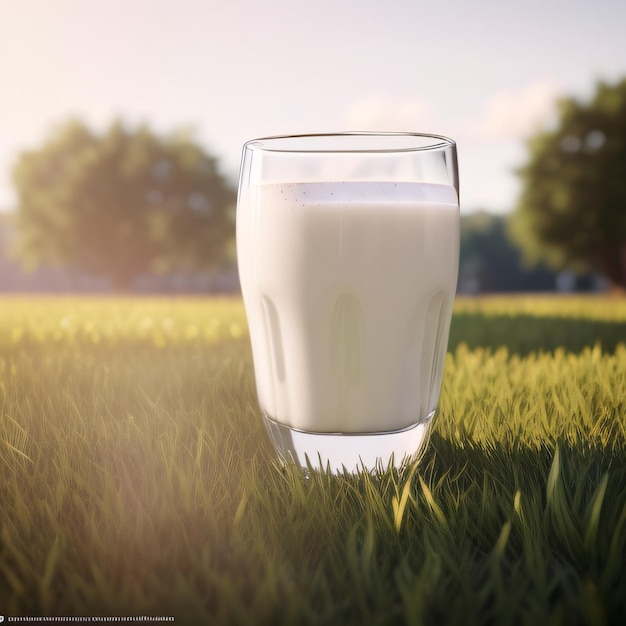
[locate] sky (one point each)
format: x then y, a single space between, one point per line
486 73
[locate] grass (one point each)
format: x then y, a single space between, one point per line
136 478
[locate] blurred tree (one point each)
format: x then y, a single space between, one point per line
490 262
572 210
122 203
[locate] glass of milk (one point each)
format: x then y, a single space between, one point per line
348 253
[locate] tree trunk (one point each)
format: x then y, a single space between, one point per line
614 267
123 282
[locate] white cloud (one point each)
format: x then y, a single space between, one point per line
382 113
516 114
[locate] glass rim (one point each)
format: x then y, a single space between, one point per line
352 142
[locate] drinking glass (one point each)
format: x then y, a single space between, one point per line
348 253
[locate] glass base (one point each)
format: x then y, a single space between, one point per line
349 452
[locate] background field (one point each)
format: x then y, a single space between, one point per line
136 478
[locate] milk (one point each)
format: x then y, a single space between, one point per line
348 290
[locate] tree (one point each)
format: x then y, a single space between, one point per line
122 203
572 209
490 262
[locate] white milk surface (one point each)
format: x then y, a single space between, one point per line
348 290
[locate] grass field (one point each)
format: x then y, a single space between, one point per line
136 478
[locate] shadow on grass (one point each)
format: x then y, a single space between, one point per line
523 334
517 465
490 534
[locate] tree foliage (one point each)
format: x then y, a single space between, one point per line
572 210
490 262
122 203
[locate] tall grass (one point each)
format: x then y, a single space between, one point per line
136 479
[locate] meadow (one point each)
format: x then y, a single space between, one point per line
136 477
